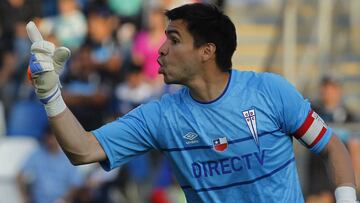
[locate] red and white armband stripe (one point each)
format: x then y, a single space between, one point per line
312 130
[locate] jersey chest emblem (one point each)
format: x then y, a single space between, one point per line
250 119
220 144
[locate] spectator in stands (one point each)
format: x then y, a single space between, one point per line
21 46
12 12
49 8
69 26
170 4
331 106
130 11
133 92
47 175
7 72
14 59
105 51
99 187
84 90
333 111
146 46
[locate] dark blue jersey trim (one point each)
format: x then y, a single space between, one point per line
176 149
206 146
186 148
222 94
242 182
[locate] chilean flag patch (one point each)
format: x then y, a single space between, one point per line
220 144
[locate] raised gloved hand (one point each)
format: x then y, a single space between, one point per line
45 65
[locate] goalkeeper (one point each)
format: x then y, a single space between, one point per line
228 133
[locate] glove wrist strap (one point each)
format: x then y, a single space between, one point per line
345 194
55 107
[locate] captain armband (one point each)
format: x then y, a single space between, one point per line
311 131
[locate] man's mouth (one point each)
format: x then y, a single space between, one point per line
161 68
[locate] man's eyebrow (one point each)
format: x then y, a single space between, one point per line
171 31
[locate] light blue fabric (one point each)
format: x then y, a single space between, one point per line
50 175
216 155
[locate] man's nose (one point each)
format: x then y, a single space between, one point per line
163 49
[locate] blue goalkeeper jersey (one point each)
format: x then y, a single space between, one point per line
237 148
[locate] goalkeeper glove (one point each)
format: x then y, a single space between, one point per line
45 65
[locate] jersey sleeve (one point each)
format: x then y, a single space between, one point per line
130 135
295 115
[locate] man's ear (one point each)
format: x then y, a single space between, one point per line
208 51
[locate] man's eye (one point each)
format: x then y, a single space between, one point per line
174 41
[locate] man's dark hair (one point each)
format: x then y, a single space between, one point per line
207 24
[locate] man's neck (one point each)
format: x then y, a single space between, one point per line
209 86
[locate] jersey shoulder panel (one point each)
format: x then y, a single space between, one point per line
287 103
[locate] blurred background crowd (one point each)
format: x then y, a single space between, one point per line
113 69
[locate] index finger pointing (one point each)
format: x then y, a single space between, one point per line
33 32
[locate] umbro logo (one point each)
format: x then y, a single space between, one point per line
191 138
